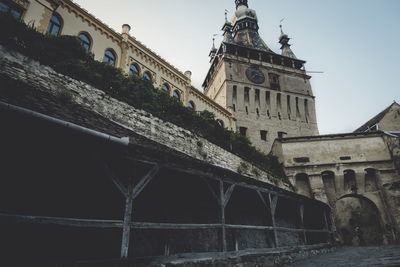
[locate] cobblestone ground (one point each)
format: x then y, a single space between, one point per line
355 256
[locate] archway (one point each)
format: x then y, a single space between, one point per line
353 211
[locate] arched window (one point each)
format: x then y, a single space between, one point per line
177 95
147 76
165 88
12 9
86 41
55 25
191 106
350 183
134 70
109 57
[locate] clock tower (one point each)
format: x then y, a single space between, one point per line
269 93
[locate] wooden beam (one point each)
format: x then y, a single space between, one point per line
211 190
205 174
173 226
222 210
70 222
267 206
117 182
273 201
133 192
302 223
140 186
228 194
126 228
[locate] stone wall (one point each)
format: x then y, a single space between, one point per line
353 167
44 78
257 113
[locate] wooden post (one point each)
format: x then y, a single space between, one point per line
133 192
267 206
222 210
273 202
302 223
127 227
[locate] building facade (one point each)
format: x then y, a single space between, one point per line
357 174
64 17
269 94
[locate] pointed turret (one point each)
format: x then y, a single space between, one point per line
284 41
227 29
213 51
245 27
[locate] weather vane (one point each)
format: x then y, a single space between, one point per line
280 24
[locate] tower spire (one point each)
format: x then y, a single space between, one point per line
284 41
241 3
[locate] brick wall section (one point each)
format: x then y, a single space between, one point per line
44 78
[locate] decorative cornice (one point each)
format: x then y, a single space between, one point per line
117 37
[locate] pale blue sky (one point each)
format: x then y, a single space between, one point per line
353 41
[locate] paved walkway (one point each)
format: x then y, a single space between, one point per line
355 256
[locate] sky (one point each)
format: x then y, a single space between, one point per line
353 42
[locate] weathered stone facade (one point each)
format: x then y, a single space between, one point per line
269 94
356 174
44 78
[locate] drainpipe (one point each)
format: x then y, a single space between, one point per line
121 141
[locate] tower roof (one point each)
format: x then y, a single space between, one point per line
284 41
245 27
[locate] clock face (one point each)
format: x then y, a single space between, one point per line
255 75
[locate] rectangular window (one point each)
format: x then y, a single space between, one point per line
257 96
281 135
246 94
306 109
234 92
263 135
278 101
289 110
302 160
268 98
297 108
274 81
243 131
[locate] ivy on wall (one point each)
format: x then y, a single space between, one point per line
66 55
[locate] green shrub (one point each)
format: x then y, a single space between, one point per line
66 55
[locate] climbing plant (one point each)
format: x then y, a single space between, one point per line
67 56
